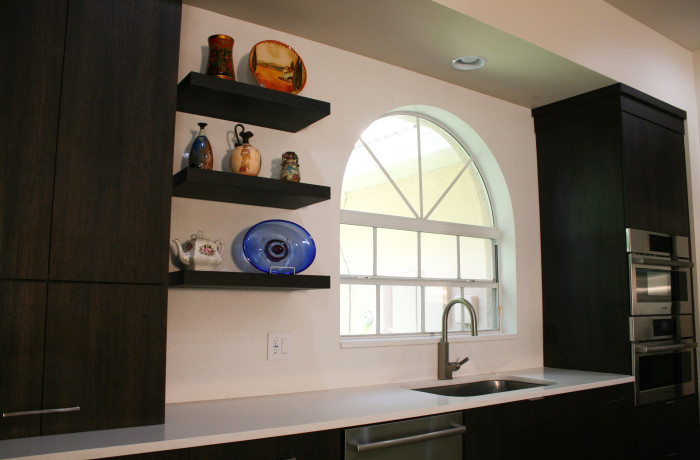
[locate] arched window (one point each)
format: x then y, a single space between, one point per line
417 230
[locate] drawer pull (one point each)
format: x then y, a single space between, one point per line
372 446
42 411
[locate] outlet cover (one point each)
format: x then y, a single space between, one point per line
279 345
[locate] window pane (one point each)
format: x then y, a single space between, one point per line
356 250
485 302
358 306
467 202
397 253
438 255
435 300
442 159
400 309
394 142
366 188
475 258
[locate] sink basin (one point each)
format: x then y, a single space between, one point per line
482 387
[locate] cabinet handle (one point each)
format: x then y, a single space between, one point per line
615 401
42 411
372 446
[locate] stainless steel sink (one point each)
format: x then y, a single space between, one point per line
482 387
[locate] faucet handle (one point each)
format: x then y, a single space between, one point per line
459 364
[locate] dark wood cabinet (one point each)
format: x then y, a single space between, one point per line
668 430
105 350
606 160
32 35
180 454
89 94
319 445
22 319
111 210
572 425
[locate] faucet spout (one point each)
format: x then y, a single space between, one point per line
445 367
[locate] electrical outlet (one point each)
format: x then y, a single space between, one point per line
279 345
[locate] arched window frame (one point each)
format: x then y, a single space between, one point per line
424 225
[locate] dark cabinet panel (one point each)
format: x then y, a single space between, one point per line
111 212
105 352
22 316
654 177
181 454
580 425
668 430
32 35
320 445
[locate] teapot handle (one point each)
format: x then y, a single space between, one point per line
220 247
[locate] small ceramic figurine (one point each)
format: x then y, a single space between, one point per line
245 159
201 155
290 167
199 253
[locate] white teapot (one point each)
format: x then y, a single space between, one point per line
199 253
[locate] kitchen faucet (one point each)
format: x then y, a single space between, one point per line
445 367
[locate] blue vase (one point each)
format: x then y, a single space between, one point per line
201 155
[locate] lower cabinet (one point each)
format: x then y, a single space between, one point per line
668 430
579 425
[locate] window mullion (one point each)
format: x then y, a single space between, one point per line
420 167
447 190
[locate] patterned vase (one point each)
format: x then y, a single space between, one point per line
220 62
290 167
201 155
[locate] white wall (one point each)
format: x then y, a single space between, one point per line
217 338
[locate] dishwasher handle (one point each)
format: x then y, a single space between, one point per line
389 443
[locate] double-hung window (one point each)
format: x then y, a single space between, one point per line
417 230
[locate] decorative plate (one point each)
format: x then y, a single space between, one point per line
277 66
279 246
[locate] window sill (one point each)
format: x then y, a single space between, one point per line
368 342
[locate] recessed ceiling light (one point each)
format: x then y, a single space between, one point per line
468 63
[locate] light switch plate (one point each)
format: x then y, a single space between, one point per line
279 345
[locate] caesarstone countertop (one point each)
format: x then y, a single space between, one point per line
230 420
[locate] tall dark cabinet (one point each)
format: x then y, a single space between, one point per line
607 160
88 90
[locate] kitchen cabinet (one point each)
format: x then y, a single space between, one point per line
85 228
230 100
319 445
606 160
180 454
576 425
668 429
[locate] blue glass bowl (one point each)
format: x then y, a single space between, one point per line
279 246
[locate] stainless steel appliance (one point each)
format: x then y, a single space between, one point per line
660 279
438 437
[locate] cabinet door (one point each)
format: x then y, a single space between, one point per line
105 353
32 35
320 445
22 316
111 212
610 418
656 194
667 429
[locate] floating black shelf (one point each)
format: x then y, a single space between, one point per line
240 280
238 188
215 97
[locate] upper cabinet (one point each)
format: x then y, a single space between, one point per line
628 150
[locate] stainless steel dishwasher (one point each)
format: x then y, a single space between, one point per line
437 437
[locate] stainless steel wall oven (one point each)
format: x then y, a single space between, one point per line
661 316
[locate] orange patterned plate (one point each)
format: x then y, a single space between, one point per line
277 66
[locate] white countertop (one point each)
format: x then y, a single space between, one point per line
230 420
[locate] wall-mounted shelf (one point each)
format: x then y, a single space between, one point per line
239 280
210 96
238 188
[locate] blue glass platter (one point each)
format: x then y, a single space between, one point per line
279 247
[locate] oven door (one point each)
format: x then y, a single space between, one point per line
664 370
659 286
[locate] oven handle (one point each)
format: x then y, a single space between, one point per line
643 349
662 262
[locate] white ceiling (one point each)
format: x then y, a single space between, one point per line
678 20
424 36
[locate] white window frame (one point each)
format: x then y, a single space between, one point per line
423 225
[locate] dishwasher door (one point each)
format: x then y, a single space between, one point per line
437 437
